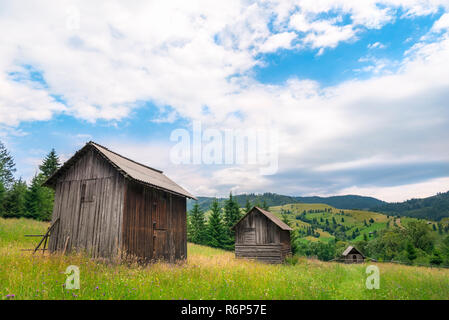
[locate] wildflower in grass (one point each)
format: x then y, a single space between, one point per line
10 296
96 288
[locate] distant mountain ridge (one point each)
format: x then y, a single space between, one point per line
433 208
273 199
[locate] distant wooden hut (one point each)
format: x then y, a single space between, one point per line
352 255
263 236
111 206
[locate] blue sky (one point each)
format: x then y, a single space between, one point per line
343 62
356 91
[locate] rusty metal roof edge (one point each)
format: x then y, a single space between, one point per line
118 154
128 176
91 144
269 215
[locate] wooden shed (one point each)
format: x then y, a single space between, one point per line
352 255
263 236
110 206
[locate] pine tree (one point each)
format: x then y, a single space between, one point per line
2 198
50 164
215 234
14 202
436 258
285 219
197 225
411 252
257 203
231 216
7 167
39 199
265 205
248 206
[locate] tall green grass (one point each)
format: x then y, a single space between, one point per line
207 274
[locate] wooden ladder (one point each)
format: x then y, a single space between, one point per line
44 239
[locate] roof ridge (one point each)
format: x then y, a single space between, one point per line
281 224
140 164
127 167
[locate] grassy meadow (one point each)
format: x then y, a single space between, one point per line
207 274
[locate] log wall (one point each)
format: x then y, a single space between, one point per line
257 237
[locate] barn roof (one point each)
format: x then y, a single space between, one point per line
129 168
270 216
349 250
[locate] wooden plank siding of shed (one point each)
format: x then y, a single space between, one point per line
154 224
259 238
89 221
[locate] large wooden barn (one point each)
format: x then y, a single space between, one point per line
263 236
110 206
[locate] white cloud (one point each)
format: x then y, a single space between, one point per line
278 41
102 59
321 33
25 102
401 192
442 23
375 45
188 55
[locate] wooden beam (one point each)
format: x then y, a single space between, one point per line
46 235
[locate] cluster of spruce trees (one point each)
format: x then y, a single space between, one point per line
17 198
216 230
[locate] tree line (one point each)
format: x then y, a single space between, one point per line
216 229
19 199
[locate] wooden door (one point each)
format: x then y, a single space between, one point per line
160 226
160 244
86 214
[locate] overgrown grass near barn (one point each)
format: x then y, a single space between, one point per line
207 274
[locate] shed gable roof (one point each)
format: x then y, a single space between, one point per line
129 168
349 250
270 216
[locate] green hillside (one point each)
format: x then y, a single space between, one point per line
321 221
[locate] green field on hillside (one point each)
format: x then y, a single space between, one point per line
207 274
301 216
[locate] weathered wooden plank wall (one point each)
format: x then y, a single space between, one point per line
88 200
154 224
261 229
257 237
